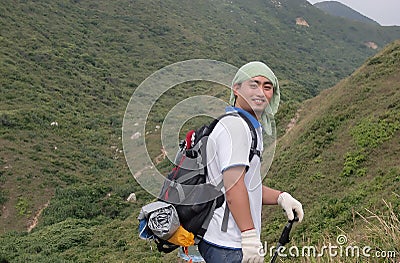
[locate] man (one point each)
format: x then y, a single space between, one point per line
255 92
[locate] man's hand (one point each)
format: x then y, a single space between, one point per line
252 248
288 203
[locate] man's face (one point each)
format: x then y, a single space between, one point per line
254 95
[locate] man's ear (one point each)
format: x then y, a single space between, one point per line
235 89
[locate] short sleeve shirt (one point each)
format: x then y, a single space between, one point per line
229 146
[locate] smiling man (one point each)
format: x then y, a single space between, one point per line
255 93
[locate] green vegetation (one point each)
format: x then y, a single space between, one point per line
22 206
369 134
68 69
352 163
341 158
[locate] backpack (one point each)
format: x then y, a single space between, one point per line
187 189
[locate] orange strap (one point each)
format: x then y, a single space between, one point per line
186 250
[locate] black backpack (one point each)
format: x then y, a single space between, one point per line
186 187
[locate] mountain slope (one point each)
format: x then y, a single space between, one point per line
67 71
76 63
342 155
336 8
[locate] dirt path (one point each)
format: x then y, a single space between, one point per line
35 220
293 121
161 157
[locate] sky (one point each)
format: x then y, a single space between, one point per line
385 12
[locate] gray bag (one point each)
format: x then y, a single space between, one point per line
162 219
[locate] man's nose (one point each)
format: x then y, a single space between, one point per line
260 91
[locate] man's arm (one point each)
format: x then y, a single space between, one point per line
237 197
286 201
269 196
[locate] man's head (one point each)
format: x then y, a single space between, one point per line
254 87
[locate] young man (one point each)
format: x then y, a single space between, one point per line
255 92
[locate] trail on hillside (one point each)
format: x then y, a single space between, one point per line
293 121
35 220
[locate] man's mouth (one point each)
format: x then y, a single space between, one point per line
259 101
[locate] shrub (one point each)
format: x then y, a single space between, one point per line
22 206
352 163
81 202
370 133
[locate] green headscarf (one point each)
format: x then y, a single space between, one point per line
254 69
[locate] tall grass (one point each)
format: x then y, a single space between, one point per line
374 238
382 232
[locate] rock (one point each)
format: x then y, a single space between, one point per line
371 44
136 135
131 198
301 22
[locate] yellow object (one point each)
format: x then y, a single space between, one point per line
182 237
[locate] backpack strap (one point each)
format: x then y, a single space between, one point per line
224 225
253 147
253 151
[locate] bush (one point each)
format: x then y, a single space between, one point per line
352 163
48 244
370 133
83 202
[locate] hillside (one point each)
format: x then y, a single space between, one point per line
339 158
338 9
76 64
342 156
67 72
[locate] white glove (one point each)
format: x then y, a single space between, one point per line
253 251
288 203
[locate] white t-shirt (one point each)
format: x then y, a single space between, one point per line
229 146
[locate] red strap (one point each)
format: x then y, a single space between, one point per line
176 169
188 139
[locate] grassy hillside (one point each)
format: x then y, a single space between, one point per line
67 71
77 63
341 157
